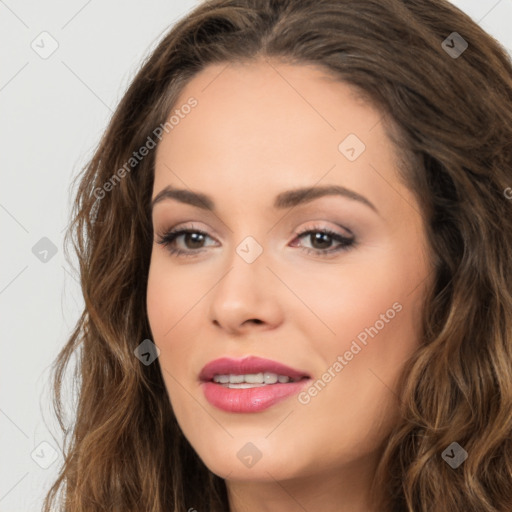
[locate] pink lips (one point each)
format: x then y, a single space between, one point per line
252 399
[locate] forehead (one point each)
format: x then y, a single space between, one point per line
248 101
266 125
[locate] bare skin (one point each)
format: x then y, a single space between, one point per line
258 130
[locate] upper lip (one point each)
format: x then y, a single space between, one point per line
248 364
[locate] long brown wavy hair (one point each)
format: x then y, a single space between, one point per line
451 119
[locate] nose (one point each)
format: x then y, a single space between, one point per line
245 298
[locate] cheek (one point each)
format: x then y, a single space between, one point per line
172 301
370 325
344 302
165 302
167 295
355 390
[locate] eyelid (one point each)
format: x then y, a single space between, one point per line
345 243
324 225
318 225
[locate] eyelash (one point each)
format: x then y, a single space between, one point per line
345 243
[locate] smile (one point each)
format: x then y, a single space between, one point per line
249 385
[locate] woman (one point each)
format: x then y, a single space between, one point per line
295 246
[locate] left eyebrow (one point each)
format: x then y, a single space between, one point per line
287 199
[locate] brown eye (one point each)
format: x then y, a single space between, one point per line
192 239
321 240
195 240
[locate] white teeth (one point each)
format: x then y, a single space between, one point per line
271 378
254 378
251 380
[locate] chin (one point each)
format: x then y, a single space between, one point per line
256 460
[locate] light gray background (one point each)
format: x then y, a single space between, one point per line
53 113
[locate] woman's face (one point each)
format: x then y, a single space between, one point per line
342 309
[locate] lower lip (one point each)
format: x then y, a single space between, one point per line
251 399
